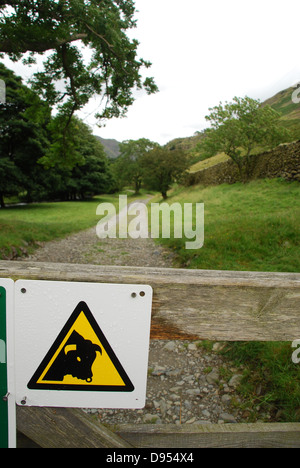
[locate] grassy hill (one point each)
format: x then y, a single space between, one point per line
111 147
281 102
185 144
290 112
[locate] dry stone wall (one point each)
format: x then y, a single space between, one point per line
283 162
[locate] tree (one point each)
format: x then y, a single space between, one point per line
10 179
127 168
93 176
87 52
63 151
162 167
23 137
90 176
29 139
238 128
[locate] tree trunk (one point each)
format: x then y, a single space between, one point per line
138 184
2 203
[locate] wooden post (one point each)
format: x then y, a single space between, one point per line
66 428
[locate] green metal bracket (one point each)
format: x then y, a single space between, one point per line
3 373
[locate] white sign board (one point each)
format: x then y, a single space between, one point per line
82 345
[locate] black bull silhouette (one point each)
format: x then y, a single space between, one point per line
76 359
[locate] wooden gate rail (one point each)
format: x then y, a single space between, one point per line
213 305
72 428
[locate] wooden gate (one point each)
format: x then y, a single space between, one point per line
211 305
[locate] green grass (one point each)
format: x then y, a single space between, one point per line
271 381
251 227
22 227
212 161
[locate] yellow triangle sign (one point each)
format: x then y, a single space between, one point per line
81 358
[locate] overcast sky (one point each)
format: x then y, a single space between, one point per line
204 52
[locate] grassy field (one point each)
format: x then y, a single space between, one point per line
271 381
22 227
252 227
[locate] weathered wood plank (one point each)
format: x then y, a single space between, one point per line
214 305
270 435
66 428
72 428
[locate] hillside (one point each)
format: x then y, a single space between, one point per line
281 102
185 144
111 147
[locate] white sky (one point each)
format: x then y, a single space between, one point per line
204 52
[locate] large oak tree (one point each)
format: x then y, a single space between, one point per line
87 51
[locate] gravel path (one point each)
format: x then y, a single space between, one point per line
186 383
85 247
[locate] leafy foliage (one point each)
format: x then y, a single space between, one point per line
88 51
237 128
23 138
127 168
30 143
161 168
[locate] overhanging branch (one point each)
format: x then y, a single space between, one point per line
8 46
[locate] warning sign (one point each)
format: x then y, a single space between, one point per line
81 345
81 357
